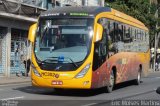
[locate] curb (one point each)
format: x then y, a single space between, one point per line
155 72
9 83
14 80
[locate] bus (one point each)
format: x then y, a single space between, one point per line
88 48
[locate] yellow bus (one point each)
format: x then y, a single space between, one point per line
88 48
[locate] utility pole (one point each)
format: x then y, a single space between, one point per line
155 41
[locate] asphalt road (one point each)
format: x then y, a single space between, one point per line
124 94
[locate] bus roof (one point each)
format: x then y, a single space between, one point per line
128 18
92 10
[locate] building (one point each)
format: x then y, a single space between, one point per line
16 16
80 2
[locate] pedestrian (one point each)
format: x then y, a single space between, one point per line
158 62
27 64
156 66
27 61
20 67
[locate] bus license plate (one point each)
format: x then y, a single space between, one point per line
57 83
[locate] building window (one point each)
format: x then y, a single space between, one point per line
37 3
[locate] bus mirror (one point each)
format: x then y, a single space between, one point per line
99 32
32 32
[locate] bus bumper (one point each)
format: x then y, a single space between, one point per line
74 83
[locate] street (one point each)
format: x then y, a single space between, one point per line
28 95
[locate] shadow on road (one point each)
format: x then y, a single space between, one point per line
71 92
125 84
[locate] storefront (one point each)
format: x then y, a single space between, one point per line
15 19
19 50
14 47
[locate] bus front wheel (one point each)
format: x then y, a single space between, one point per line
111 83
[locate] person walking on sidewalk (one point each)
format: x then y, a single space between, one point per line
158 62
27 64
25 58
20 62
27 61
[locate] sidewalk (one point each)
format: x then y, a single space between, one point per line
14 80
154 74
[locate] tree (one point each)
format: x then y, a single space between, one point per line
139 9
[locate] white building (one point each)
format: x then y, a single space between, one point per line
16 16
79 2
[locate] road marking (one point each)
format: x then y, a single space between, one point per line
20 97
157 77
91 104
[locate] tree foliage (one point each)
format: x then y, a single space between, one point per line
139 9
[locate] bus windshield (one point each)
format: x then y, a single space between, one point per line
69 38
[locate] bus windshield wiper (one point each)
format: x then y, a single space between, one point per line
44 61
67 58
73 62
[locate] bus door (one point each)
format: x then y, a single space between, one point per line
130 55
99 61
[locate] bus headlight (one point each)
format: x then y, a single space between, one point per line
83 71
36 72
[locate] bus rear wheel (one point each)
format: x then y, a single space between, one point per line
111 83
138 79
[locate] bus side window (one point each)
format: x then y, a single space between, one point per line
120 33
111 39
